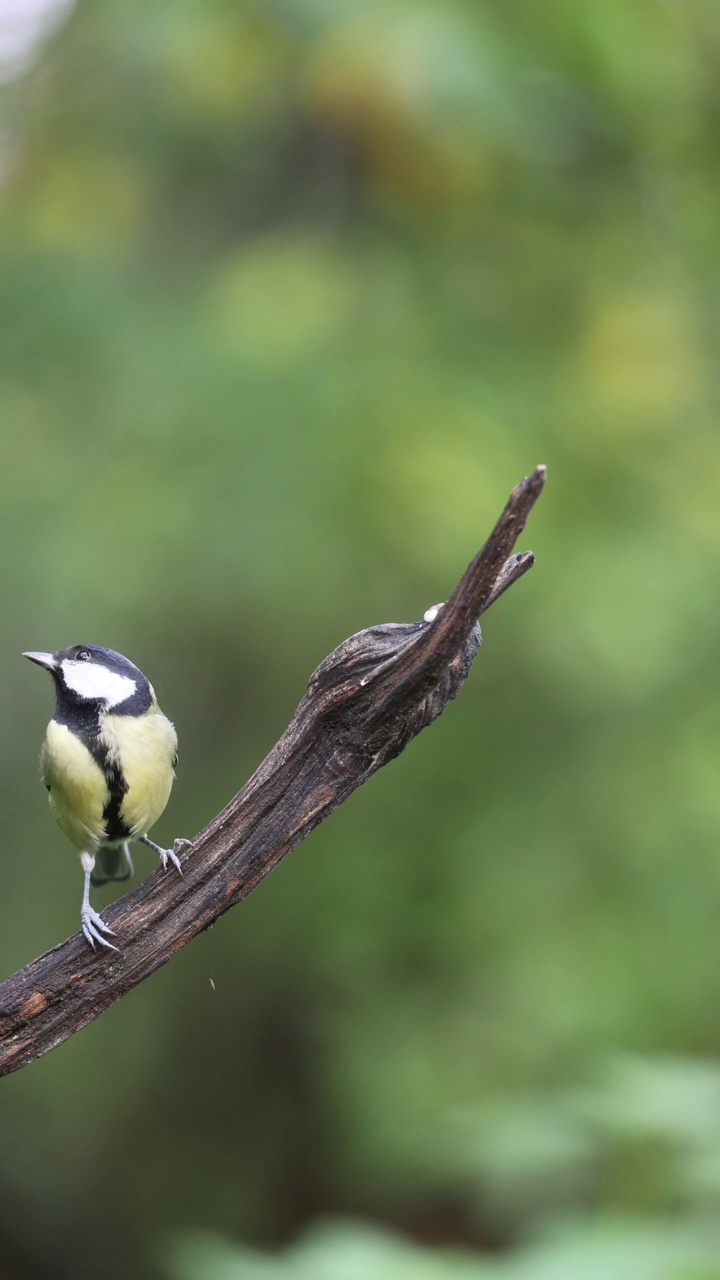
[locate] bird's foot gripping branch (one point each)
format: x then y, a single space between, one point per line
362 707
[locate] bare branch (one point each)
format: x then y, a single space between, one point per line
363 705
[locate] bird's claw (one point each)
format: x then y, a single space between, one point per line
166 855
93 926
171 855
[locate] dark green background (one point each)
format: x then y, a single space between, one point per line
293 293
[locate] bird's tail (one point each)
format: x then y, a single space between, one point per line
112 864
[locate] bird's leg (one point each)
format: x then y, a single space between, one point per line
130 863
93 925
165 855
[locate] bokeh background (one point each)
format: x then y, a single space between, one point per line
293 293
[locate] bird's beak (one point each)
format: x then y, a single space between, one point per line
46 660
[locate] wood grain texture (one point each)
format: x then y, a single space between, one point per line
363 705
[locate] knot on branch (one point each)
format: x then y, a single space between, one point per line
349 689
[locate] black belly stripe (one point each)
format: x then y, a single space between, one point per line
86 727
115 828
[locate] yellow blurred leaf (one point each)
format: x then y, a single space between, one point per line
281 300
638 358
85 201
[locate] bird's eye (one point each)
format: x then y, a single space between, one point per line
82 655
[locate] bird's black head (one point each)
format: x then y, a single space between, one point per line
91 677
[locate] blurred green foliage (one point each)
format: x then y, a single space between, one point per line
293 293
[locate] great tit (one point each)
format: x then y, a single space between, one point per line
107 762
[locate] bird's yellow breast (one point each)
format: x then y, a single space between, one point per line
140 750
145 747
77 788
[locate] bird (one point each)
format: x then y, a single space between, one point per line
108 763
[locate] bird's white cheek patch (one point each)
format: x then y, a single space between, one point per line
92 681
